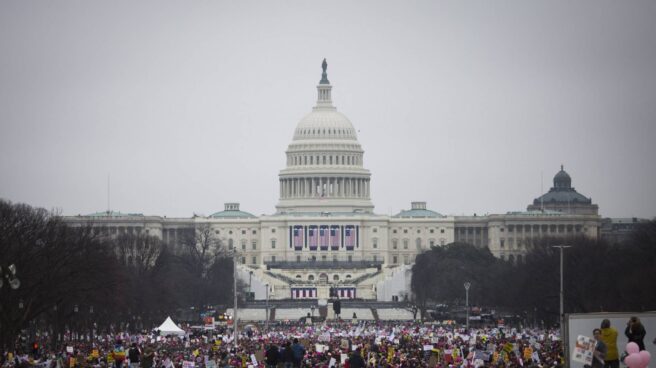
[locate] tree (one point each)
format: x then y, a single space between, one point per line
57 264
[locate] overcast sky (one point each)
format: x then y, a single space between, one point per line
190 104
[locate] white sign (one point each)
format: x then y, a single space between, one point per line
583 349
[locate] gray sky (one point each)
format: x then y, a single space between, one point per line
192 104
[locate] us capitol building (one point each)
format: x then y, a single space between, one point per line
325 234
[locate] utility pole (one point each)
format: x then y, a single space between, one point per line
467 285
234 313
562 294
266 323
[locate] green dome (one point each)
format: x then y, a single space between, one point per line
232 211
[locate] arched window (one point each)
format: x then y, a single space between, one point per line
311 278
348 277
395 244
405 243
336 278
230 243
511 258
298 277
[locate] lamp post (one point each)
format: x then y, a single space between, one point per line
266 322
467 285
10 275
75 322
250 278
234 313
562 293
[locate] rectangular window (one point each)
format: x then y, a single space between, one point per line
273 258
405 259
375 258
394 244
350 258
405 243
273 243
298 258
254 232
243 260
254 244
254 260
432 243
395 260
375 244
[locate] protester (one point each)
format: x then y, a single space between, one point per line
635 332
272 356
364 344
355 360
599 354
609 338
134 356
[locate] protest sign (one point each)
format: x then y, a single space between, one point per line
583 349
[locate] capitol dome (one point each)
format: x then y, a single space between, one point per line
324 171
325 123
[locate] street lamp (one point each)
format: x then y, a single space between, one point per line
562 293
10 275
467 285
266 323
234 313
250 277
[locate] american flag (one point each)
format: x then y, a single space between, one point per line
334 237
323 237
298 237
312 237
349 237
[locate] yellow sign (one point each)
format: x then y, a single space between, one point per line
95 354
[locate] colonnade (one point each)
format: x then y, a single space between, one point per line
329 187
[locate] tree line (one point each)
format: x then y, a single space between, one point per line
598 277
74 280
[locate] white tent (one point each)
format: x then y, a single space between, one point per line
170 328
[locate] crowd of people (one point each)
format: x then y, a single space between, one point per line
331 344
